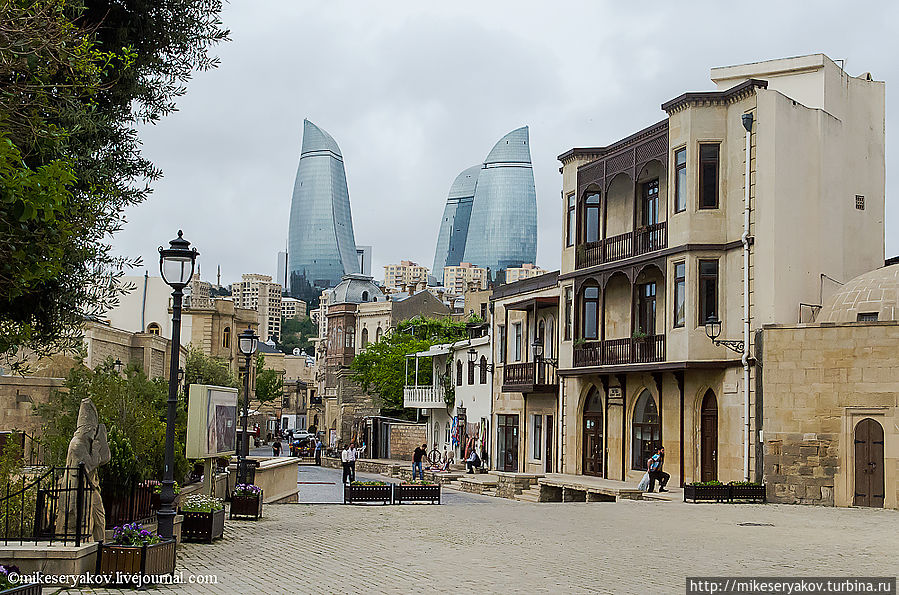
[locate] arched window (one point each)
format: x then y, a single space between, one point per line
364 296
458 372
364 337
590 311
226 337
446 434
647 431
378 335
153 328
591 218
470 373
483 369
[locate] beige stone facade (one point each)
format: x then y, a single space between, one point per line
405 274
292 308
653 244
257 292
214 331
464 277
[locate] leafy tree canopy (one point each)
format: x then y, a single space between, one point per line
200 368
269 383
77 77
297 333
381 367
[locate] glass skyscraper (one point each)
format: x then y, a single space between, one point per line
490 218
320 244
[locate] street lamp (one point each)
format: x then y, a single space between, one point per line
246 343
538 354
713 331
473 358
176 265
118 365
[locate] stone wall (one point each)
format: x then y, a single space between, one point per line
404 438
819 381
18 396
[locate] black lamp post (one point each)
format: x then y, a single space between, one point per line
473 358
246 343
713 331
176 265
118 365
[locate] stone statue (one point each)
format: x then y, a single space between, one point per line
88 446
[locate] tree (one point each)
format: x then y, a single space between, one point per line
297 334
78 76
381 367
269 383
200 368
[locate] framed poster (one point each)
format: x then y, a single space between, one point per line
211 421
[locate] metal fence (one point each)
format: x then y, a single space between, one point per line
53 506
127 502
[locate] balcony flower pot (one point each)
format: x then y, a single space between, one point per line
246 501
710 491
135 554
7 586
367 492
417 491
204 518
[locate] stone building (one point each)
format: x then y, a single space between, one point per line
257 292
464 277
736 207
214 330
525 271
398 276
830 394
292 308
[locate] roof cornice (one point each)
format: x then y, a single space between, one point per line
735 93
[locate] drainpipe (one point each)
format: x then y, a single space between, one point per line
747 242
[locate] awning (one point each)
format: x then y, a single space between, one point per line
434 350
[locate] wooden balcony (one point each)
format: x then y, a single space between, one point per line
530 377
613 352
633 243
424 397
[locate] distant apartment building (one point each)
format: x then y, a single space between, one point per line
258 292
292 308
404 274
465 277
525 271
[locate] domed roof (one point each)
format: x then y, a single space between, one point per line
356 289
876 292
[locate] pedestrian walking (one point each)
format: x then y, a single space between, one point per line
276 448
318 452
656 473
417 455
351 455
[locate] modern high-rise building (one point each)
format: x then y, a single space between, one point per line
490 217
321 246
454 225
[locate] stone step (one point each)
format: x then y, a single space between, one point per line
528 496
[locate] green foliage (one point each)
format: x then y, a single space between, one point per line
133 408
269 383
199 368
381 367
77 78
297 334
16 515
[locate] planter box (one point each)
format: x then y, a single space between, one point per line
355 494
203 526
32 589
246 506
157 559
719 493
749 493
725 493
416 493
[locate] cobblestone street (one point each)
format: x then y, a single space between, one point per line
491 545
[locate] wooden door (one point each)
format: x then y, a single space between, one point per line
869 484
709 437
593 444
548 455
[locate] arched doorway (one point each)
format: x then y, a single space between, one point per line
869 484
647 436
593 446
709 437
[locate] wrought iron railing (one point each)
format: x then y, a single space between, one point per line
632 243
634 350
53 506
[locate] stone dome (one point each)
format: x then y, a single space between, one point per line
859 300
356 289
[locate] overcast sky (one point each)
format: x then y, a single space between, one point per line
416 92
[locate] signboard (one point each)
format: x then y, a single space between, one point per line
615 392
211 421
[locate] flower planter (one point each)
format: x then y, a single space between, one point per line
203 526
725 493
246 506
749 493
30 589
354 494
713 493
135 561
416 493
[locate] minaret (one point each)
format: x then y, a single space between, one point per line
218 277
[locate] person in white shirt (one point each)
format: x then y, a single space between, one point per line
346 463
351 456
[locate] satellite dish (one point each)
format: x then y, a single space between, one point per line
296 351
